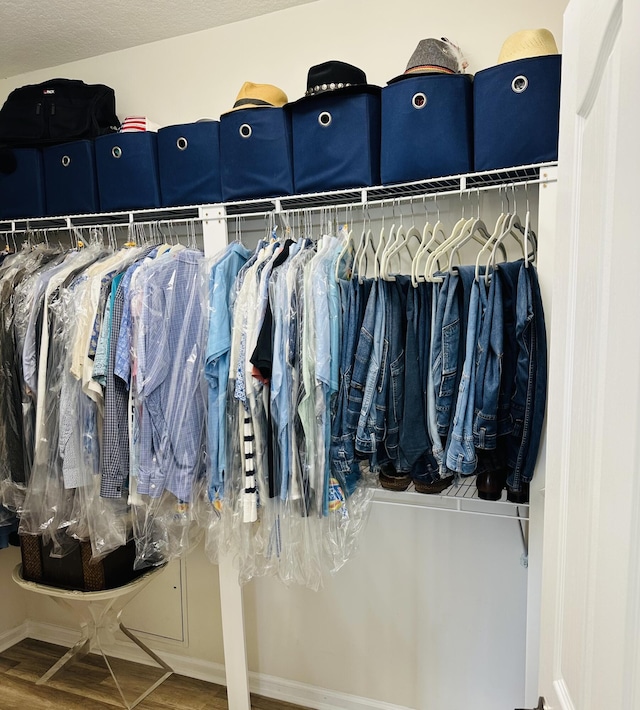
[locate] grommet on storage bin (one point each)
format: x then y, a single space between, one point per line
189 163
324 119
515 99
418 144
419 100
127 168
245 130
519 84
70 178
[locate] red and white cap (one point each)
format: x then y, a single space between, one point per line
138 123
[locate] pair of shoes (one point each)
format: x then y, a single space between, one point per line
491 483
518 495
431 487
391 480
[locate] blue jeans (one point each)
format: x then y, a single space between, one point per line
344 467
508 275
444 353
371 421
394 383
415 442
461 454
530 386
488 368
353 383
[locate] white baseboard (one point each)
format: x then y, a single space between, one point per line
308 696
13 636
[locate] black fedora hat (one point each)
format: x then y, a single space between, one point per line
338 77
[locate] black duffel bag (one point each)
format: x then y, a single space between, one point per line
57 111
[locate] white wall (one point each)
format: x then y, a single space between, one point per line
431 613
14 604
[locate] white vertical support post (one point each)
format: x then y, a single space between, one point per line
547 198
215 238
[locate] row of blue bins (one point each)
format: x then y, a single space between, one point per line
421 127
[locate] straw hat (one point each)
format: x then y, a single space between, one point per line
527 43
259 96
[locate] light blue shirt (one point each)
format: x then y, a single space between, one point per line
221 282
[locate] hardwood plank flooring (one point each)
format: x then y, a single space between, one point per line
87 684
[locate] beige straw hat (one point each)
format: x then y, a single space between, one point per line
527 43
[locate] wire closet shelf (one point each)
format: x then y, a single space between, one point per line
377 196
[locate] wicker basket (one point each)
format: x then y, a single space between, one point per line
76 570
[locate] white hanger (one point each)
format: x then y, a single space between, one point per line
473 229
435 256
497 231
402 242
429 241
360 247
382 241
363 261
347 248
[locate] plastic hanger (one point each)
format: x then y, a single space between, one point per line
429 242
396 239
346 251
359 249
368 250
382 241
402 243
440 251
473 229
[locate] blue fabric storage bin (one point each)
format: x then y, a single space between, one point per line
189 162
516 113
127 166
255 153
70 178
336 140
22 191
427 127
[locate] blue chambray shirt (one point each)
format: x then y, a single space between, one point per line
171 344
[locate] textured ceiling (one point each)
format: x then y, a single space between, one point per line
35 34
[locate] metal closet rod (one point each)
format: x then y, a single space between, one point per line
37 224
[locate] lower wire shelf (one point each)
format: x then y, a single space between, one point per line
460 497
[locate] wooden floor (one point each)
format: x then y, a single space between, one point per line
87 684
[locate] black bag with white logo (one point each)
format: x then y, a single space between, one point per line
57 111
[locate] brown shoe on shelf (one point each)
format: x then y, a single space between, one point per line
391 480
433 487
490 484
